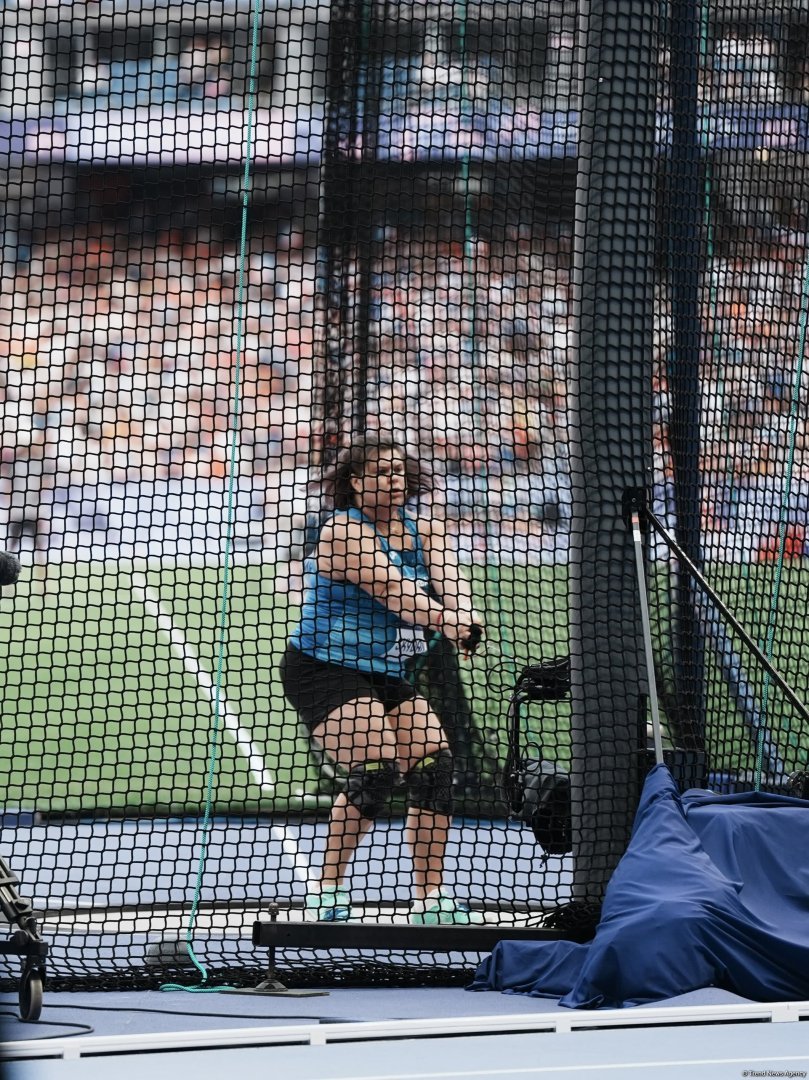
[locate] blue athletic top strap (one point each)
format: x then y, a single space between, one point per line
342 623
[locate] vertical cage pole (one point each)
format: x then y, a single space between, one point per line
610 422
344 261
682 228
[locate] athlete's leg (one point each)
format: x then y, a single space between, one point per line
426 761
358 736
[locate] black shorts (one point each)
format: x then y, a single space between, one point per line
316 688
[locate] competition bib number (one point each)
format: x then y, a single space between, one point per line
409 642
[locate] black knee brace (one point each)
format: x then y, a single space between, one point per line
370 785
430 783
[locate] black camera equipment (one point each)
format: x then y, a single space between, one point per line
538 791
798 785
9 568
25 941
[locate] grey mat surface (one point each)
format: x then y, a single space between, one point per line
155 1011
715 1051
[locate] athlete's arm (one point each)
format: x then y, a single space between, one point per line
349 550
446 576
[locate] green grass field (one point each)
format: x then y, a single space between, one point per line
112 682
111 688
771 603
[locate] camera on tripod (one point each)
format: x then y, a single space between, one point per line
538 791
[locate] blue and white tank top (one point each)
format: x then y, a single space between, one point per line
343 624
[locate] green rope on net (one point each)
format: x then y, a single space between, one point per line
233 460
492 583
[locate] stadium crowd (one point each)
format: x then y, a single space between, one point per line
130 361
122 360
120 367
754 454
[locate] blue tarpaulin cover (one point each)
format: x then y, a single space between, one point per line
713 890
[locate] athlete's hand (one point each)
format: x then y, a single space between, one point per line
476 634
473 639
478 620
458 627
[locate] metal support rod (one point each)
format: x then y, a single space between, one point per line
637 538
734 622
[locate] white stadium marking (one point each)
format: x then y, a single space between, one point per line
185 652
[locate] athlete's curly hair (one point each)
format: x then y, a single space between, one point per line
353 460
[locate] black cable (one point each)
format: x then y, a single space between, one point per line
181 1012
87 1029
505 670
79 1029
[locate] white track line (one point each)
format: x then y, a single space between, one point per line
151 602
300 865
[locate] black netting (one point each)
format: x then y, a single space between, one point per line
729 388
560 259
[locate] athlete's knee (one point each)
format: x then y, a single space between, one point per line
370 785
430 783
